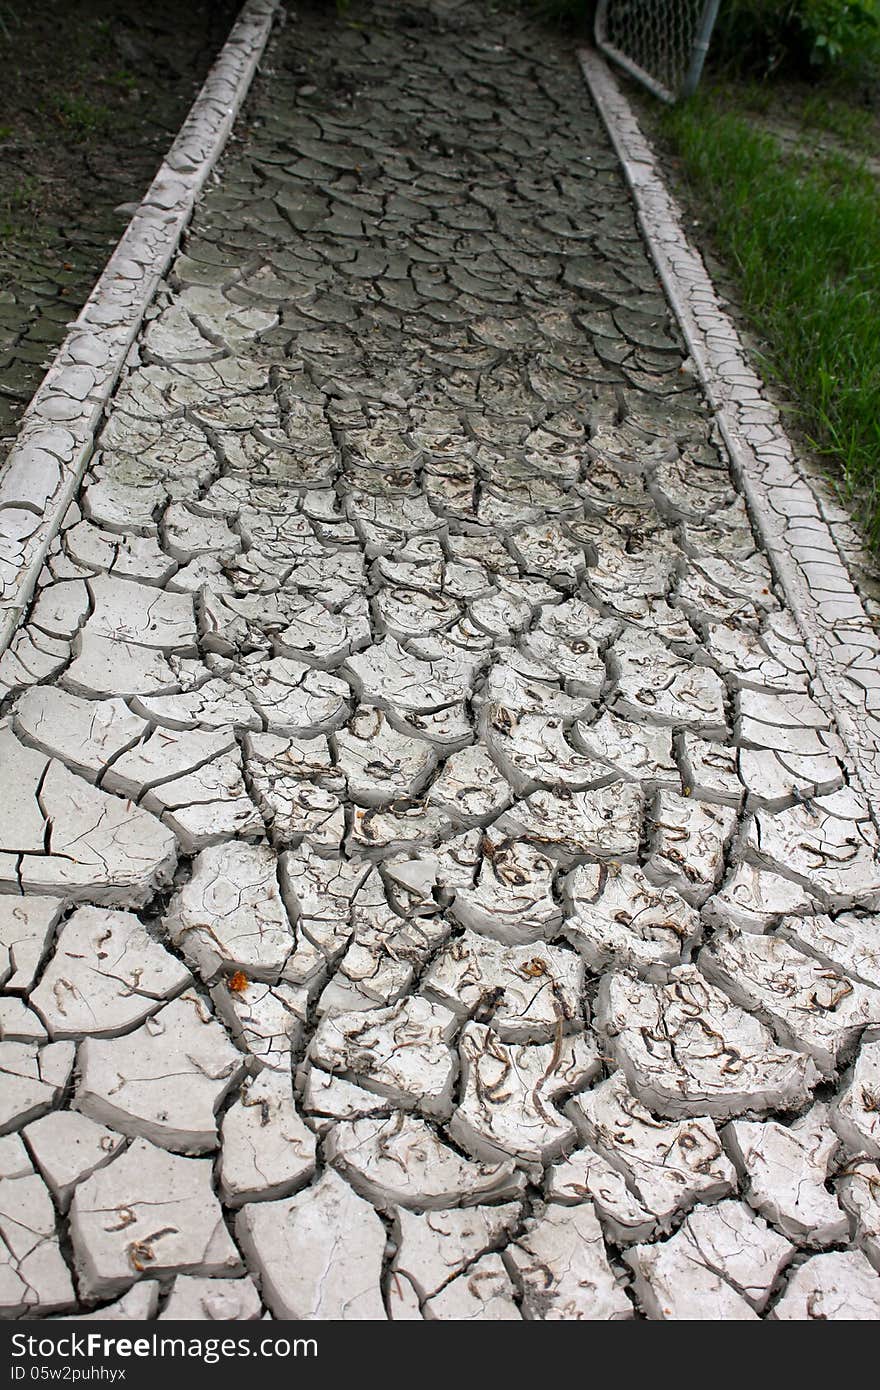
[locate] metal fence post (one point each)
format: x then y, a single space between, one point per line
662 43
701 48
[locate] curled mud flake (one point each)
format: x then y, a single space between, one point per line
837 1286
168 1083
401 1052
619 917
587 1176
512 899
828 845
268 1151
847 944
648 675
35 1277
787 1170
560 1260
26 926
811 1007
178 1220
437 1246
230 913
67 1147
722 1262
106 975
400 1159
685 1049
688 844
855 1113
858 1190
604 823
484 1292
754 899
509 1092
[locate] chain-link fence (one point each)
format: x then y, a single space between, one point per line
661 42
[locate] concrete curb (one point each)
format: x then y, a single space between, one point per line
54 443
785 510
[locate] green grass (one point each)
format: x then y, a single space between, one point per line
803 239
825 109
81 117
833 113
18 208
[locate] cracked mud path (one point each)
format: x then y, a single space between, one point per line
429 887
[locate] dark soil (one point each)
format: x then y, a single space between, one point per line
93 93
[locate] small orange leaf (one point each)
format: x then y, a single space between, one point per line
238 983
534 968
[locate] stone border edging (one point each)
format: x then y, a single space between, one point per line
786 512
54 442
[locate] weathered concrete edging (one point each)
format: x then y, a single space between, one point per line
55 441
784 507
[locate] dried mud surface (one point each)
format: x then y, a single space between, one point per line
428 886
